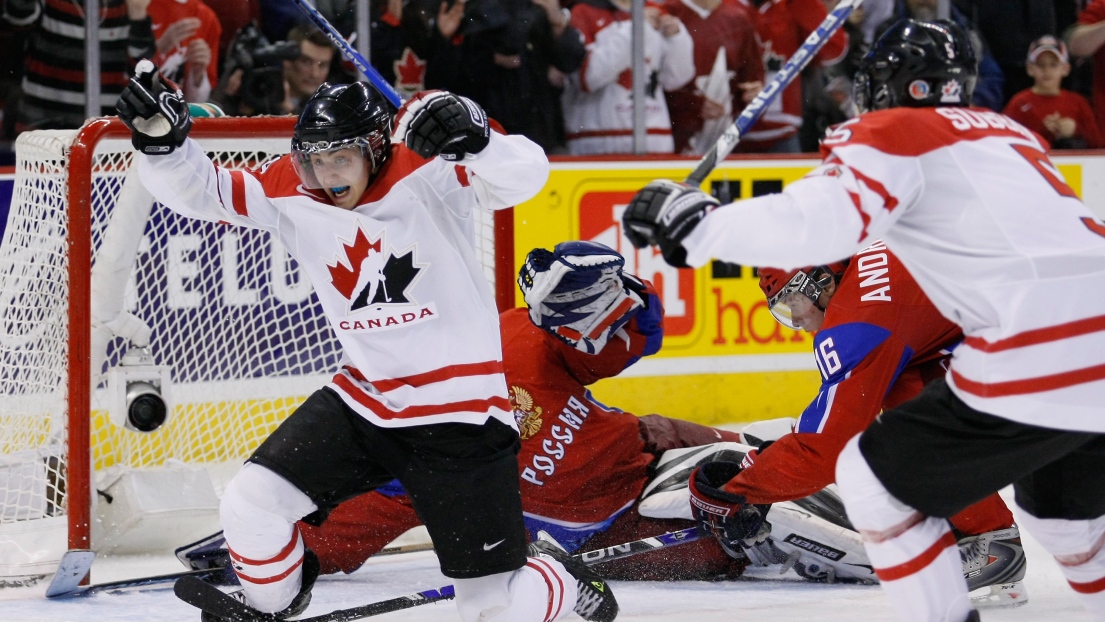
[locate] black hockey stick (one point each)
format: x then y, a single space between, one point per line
76 563
754 110
211 599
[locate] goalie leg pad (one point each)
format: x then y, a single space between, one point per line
667 494
817 548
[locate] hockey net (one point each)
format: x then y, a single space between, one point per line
101 287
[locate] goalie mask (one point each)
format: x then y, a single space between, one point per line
342 128
793 295
917 64
579 293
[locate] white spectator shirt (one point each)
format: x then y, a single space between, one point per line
598 100
397 276
983 220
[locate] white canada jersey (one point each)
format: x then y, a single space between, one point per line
397 276
986 224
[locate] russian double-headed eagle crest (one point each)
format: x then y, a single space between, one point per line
526 414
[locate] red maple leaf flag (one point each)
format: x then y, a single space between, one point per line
410 72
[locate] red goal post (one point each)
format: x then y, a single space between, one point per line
97 282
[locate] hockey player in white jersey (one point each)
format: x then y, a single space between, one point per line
420 395
984 221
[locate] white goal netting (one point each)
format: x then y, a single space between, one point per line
217 318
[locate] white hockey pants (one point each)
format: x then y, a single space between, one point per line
915 557
1079 548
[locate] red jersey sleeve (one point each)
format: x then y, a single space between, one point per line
809 14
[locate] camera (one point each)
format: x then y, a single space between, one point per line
262 65
139 392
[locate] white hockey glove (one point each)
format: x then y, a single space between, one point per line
662 214
440 123
155 111
579 293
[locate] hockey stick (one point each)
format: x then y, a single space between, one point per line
211 599
754 110
76 563
374 77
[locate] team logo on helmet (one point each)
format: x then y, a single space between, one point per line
526 415
952 93
919 89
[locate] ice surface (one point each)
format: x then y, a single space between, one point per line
746 600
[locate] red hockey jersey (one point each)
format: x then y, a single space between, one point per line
783 26
730 25
881 341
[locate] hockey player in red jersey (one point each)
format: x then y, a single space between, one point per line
384 232
877 341
582 464
973 207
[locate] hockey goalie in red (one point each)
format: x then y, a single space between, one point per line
973 207
384 232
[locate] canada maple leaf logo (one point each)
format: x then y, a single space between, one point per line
369 277
344 275
410 71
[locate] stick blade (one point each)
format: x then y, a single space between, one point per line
207 597
74 567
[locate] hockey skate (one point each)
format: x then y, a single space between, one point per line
292 611
994 566
594 601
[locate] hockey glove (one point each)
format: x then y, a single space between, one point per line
579 294
662 214
155 111
439 123
735 523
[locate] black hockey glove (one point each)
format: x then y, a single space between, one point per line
662 214
440 123
155 111
735 523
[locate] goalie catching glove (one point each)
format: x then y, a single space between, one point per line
735 523
155 111
439 123
662 214
578 293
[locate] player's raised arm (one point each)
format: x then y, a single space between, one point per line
174 168
504 170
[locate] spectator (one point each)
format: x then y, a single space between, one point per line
304 74
53 85
1087 39
187 34
233 16
697 119
989 91
400 34
510 56
1009 27
1062 117
252 81
783 25
598 105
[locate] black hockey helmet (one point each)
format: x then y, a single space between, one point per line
339 116
917 64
